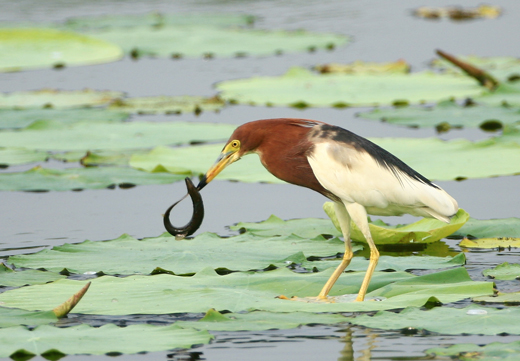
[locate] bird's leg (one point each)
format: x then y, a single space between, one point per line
344 222
359 216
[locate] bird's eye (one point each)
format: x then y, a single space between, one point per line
235 144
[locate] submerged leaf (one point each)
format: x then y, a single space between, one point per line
44 179
426 230
26 48
47 135
85 339
52 98
325 90
242 291
446 320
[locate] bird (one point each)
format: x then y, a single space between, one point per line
357 175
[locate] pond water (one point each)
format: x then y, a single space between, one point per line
382 31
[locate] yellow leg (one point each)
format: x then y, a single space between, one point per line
359 216
344 222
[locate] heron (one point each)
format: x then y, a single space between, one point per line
357 175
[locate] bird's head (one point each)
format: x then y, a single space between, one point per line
231 152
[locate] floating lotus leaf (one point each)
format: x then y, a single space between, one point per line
21 118
157 20
48 135
15 317
500 67
24 48
467 351
53 98
361 67
427 230
432 157
10 278
242 291
126 255
85 339
446 112
99 157
274 226
259 321
507 227
168 104
386 263
14 156
504 271
512 298
44 179
458 13
197 160
449 321
209 41
500 242
301 88
505 94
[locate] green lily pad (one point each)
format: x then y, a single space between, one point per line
445 320
85 339
446 112
48 135
432 157
15 317
26 48
512 298
126 255
157 19
361 67
99 157
467 351
242 291
504 271
52 98
44 179
506 227
21 118
168 104
504 94
259 321
500 242
500 67
197 160
10 278
386 263
274 226
15 156
426 230
209 41
301 88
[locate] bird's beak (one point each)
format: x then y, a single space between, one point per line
226 158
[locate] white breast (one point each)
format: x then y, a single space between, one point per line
356 177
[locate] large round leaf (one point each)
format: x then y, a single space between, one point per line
14 156
53 98
40 48
299 87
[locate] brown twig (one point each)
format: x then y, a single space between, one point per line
484 78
